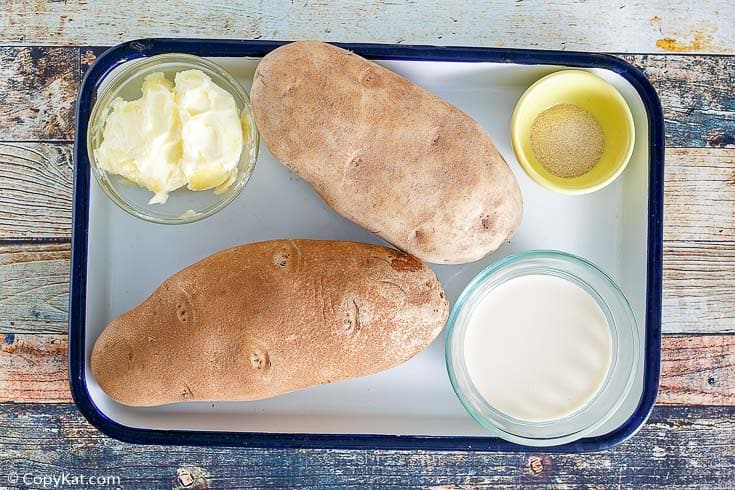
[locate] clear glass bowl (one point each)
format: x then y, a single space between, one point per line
624 359
183 205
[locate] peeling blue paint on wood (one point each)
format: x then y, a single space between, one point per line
697 96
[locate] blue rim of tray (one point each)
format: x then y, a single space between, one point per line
234 48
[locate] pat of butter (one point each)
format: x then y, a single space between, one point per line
187 133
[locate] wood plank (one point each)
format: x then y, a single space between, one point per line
696 95
699 196
33 368
685 447
34 288
703 26
38 89
699 288
35 191
695 370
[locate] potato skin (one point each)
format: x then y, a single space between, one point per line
385 153
267 318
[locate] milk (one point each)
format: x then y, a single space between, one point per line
537 347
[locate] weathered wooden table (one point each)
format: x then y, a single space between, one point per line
45 48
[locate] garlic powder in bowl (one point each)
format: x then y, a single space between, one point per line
572 132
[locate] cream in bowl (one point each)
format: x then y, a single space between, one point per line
167 128
542 348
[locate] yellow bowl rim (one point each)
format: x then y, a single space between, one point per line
531 170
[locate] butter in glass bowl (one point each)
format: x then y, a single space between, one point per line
171 138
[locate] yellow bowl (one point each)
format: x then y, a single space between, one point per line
592 93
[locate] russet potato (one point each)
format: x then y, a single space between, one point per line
385 153
268 318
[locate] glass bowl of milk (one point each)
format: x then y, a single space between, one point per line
542 348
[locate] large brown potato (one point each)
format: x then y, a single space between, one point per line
385 153
267 318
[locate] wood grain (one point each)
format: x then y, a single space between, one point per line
697 97
683 446
34 288
33 368
704 26
38 88
35 191
699 195
699 288
698 370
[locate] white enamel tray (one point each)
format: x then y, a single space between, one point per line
128 258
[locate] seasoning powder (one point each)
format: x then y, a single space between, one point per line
567 140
